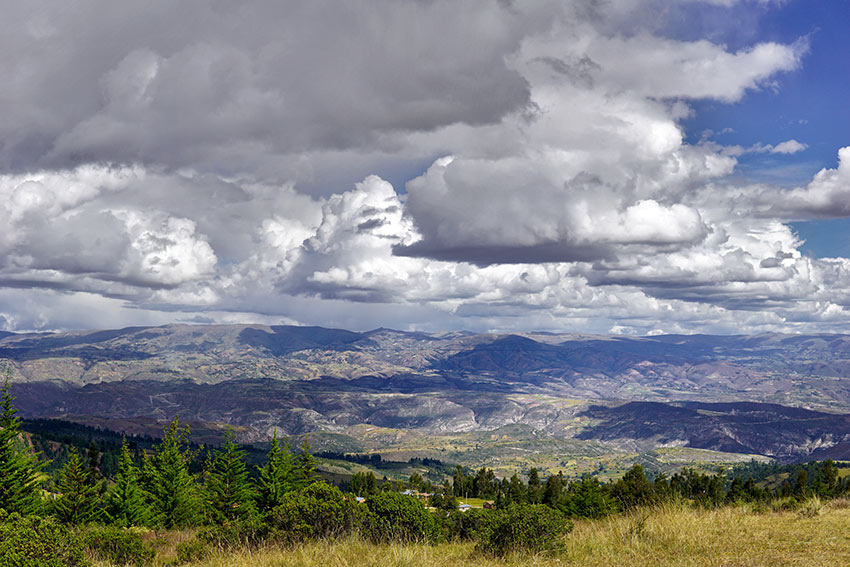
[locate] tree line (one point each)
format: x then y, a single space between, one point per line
283 500
158 491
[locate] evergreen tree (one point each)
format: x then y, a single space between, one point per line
587 498
634 489
485 483
826 481
229 490
93 455
127 506
535 492
736 492
78 503
276 478
19 467
364 483
416 481
305 470
801 484
173 494
553 489
459 483
516 491
661 487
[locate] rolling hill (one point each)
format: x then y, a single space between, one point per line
782 396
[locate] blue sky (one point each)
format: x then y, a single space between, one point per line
809 104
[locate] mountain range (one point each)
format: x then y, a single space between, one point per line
779 396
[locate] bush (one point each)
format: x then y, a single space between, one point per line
233 535
192 550
38 542
120 546
396 517
465 526
533 528
811 507
317 511
786 504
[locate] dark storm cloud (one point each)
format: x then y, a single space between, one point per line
489 255
188 84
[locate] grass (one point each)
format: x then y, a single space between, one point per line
673 535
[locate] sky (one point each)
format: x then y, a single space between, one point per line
588 166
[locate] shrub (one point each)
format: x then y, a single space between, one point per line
317 511
396 517
232 535
192 550
119 546
38 542
465 526
523 527
787 504
811 507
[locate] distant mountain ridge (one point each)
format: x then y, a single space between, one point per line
583 387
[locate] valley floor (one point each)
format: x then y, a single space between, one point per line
674 535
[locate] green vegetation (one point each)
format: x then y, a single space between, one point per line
395 517
78 502
230 494
276 478
31 541
126 504
174 498
229 510
19 467
531 528
118 546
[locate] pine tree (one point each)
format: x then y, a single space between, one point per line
826 480
174 497
127 506
19 467
78 503
801 484
229 491
364 483
634 489
535 491
554 489
305 473
517 492
276 478
93 456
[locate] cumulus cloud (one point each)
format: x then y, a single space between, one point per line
542 174
827 195
197 83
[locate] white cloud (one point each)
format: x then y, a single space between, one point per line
163 249
550 183
788 147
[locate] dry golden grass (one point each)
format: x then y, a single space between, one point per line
670 536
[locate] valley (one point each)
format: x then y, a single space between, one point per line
575 403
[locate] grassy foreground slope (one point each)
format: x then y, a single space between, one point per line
670 535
